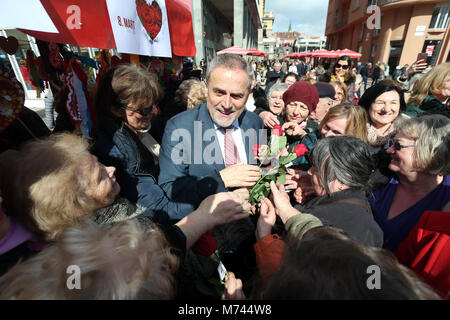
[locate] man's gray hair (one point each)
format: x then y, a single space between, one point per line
231 61
344 158
277 87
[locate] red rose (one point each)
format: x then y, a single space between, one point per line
206 245
300 150
256 149
277 130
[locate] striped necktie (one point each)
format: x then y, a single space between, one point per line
231 152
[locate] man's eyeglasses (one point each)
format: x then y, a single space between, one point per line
397 145
142 112
345 66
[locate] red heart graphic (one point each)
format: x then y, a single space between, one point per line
9 45
150 16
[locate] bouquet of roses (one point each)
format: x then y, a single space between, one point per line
279 159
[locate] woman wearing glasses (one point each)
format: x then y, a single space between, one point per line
275 101
124 103
420 154
342 71
384 103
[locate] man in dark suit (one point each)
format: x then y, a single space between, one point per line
301 68
274 75
194 159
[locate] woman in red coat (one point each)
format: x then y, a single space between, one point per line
426 250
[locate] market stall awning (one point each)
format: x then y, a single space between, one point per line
256 52
88 24
324 54
233 50
350 53
298 54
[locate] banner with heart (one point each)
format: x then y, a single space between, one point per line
12 98
140 27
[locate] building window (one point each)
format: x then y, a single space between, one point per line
361 32
377 30
440 17
336 18
355 4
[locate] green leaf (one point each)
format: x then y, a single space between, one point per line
282 142
274 144
282 179
258 188
291 157
266 192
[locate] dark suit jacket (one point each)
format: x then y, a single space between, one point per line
190 157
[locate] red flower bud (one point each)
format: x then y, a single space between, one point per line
256 149
277 130
300 150
206 245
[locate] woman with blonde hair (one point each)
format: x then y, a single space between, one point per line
124 261
420 153
341 92
133 259
190 93
431 93
51 185
342 120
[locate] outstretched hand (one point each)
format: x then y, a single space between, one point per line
225 207
270 120
240 175
233 288
282 203
293 129
417 66
266 220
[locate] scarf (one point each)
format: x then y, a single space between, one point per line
377 139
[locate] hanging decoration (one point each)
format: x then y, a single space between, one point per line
12 99
9 45
79 105
37 72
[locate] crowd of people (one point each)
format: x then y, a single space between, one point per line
167 176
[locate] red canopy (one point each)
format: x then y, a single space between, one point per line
96 29
324 54
256 52
296 55
233 50
350 53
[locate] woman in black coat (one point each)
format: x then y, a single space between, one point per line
341 172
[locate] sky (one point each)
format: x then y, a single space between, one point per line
307 16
